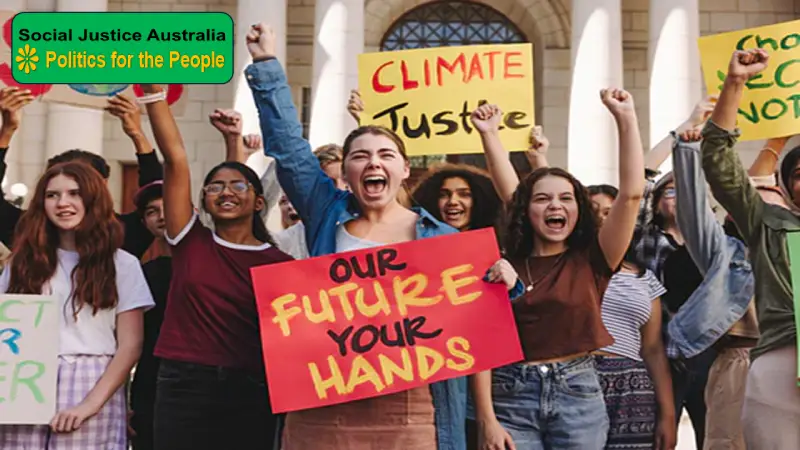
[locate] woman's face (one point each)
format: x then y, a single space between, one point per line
374 169
553 210
666 204
63 204
455 203
601 204
289 215
229 196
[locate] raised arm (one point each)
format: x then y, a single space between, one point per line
486 119
704 236
308 188
537 152
355 106
178 208
727 177
137 237
12 100
766 163
229 123
661 151
617 231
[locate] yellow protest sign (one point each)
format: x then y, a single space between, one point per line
427 95
771 103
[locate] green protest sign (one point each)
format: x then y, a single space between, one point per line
122 48
793 244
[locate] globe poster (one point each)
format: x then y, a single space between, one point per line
83 95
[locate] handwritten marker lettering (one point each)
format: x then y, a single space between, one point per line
355 325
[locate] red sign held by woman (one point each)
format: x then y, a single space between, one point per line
373 322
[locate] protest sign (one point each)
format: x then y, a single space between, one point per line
366 323
28 358
770 105
93 96
793 245
427 95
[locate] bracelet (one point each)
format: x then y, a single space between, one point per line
771 150
152 98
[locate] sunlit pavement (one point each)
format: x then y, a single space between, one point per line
685 435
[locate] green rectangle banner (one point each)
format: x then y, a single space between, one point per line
793 245
122 47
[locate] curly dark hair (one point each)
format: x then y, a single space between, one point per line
519 232
486 204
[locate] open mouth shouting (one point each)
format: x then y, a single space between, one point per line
556 222
374 185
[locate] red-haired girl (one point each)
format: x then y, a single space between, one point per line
68 244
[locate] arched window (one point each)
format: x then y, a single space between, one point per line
450 23
445 24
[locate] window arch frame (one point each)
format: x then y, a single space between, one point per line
507 23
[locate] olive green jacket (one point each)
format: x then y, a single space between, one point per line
763 227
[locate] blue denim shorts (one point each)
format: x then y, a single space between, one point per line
551 406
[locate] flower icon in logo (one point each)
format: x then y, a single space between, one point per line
27 58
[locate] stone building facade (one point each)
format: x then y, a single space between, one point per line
646 46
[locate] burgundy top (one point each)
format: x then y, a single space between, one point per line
560 316
211 316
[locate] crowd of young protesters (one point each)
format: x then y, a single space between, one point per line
632 302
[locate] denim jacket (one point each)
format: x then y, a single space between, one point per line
322 208
728 288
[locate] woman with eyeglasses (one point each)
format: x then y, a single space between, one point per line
211 390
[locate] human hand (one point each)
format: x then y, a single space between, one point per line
71 419
227 121
502 272
128 112
261 41
486 119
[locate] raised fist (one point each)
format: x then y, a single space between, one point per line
261 41
486 118
227 121
618 101
746 64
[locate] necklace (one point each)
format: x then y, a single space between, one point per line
531 281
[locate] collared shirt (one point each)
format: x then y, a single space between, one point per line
322 208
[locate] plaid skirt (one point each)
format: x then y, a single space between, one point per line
107 430
630 403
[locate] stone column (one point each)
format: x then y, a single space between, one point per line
248 13
70 127
676 82
592 153
339 38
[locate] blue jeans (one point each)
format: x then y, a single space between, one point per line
551 406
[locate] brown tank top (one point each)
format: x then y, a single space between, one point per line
560 314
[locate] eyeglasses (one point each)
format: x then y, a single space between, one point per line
669 193
216 187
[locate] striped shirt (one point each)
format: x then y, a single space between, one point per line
627 305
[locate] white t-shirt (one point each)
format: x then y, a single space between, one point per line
93 334
293 241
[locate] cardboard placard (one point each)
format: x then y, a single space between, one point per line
28 358
372 322
427 95
770 104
